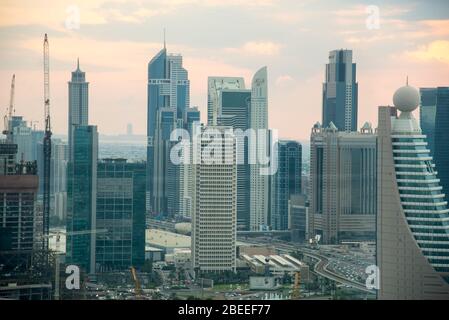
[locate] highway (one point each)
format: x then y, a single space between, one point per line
320 266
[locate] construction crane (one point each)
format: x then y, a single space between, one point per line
8 117
47 146
137 289
295 291
57 234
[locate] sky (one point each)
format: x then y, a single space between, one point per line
115 40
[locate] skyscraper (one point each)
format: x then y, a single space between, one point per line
235 111
215 206
18 193
186 176
82 197
412 233
168 89
441 140
78 104
259 183
340 91
343 184
23 137
427 112
299 218
286 182
121 211
214 87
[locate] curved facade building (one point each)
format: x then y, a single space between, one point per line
413 217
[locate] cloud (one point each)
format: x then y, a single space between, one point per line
283 80
435 51
265 48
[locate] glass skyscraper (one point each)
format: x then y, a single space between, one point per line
235 112
121 211
340 91
441 139
286 182
168 89
81 198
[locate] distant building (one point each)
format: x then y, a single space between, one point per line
186 177
235 112
215 85
299 218
121 211
23 137
168 98
441 153
412 234
340 91
259 184
129 129
427 113
215 207
343 184
285 182
81 196
78 104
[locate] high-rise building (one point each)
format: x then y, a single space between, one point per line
23 137
235 111
412 232
299 218
340 91
285 182
186 175
214 87
441 141
82 198
120 210
343 184
78 104
18 193
427 112
259 183
215 207
168 89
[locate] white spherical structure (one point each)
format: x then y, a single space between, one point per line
406 98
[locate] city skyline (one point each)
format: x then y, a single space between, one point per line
115 60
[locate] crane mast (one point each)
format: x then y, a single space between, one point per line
8 116
47 147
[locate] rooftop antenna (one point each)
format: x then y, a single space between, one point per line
78 63
406 81
164 38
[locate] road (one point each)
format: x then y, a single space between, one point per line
320 266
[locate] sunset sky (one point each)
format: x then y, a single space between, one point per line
117 38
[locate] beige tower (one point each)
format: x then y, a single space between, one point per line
412 222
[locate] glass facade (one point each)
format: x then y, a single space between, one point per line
340 92
81 198
121 211
422 198
286 182
235 112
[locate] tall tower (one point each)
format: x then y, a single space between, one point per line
342 184
412 231
82 198
340 91
215 85
259 184
78 104
286 182
215 207
168 89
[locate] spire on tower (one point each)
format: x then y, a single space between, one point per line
78 63
164 38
